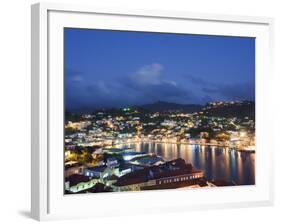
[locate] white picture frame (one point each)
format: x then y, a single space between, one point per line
48 201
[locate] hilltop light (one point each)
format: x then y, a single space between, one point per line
126 109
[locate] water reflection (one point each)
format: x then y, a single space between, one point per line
217 163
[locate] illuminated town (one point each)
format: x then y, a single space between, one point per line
157 111
98 156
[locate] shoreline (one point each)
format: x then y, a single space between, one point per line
187 143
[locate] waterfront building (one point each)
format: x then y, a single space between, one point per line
172 174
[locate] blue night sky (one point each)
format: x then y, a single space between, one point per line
105 69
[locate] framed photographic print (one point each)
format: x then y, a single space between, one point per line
165 111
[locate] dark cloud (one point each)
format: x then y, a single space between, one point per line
146 85
235 91
224 91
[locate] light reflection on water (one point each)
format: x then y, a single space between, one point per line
217 163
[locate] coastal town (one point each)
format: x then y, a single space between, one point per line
99 146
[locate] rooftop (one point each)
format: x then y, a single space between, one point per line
172 168
96 168
76 179
147 160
